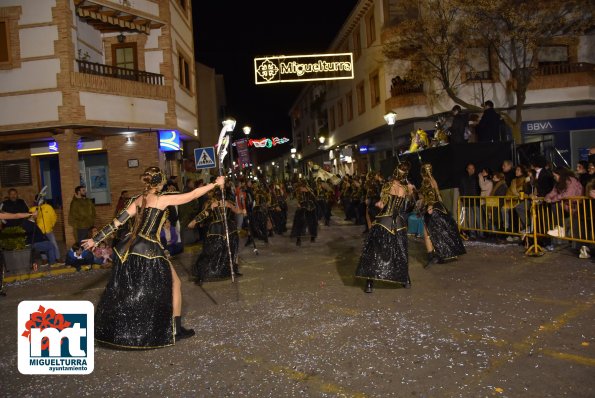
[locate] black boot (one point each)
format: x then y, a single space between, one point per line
298 242
313 239
407 285
198 281
369 286
182 332
431 259
236 271
270 233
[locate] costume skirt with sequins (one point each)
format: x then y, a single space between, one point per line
384 255
443 232
135 309
213 261
303 220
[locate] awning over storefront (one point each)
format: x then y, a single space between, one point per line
110 17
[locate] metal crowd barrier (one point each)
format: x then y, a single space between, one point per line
570 219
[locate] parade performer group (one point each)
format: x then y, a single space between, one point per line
141 305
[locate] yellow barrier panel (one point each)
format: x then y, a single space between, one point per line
570 219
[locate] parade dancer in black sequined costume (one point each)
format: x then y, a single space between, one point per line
278 210
441 233
305 215
141 305
260 221
385 251
213 262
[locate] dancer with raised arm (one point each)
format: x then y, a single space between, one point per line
385 254
142 303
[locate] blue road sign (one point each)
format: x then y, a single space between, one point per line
204 157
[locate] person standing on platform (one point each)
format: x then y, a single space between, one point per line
488 128
81 215
385 255
459 126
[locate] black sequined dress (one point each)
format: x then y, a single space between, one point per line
135 310
305 217
213 262
443 232
385 251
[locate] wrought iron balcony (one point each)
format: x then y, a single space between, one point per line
93 68
562 68
479 75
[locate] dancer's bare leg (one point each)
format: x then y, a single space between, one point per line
427 241
176 292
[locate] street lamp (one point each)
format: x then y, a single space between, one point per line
247 129
391 119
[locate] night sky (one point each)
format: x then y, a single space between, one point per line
228 35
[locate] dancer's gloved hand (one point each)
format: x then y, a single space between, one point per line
220 181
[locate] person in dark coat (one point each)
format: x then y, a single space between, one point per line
460 123
488 128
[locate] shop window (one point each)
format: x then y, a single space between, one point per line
94 175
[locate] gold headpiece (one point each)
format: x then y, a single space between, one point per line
401 171
426 169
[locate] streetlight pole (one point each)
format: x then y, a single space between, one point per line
391 119
247 129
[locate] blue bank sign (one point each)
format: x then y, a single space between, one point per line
169 141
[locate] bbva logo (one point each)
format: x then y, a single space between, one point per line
56 337
536 126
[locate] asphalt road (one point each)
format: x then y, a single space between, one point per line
494 323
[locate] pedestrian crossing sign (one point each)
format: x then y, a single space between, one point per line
204 157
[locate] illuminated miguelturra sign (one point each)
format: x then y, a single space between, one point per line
299 68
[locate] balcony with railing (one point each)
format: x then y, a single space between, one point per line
405 93
563 75
119 73
121 81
